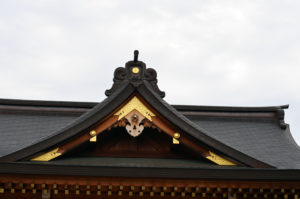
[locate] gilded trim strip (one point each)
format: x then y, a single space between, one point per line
218 159
135 104
47 156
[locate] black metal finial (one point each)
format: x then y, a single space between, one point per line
136 55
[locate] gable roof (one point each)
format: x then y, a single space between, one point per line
228 130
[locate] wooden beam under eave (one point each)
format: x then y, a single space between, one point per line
102 126
171 131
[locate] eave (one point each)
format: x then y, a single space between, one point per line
222 173
105 108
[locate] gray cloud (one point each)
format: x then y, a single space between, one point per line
236 53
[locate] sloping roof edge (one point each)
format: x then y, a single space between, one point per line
85 121
106 107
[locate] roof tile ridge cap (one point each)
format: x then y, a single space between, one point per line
230 108
45 103
136 72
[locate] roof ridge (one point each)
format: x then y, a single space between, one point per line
80 104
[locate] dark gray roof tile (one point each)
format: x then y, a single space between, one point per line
20 130
261 139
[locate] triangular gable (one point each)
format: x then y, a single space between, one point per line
134 106
135 89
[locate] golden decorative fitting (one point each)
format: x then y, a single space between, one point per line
66 192
12 190
183 194
109 193
141 193
130 193
47 156
135 70
98 193
132 188
45 191
172 194
151 193
23 191
120 193
143 188
176 137
193 194
77 192
162 194
93 135
2 190
121 187
88 192
135 104
34 191
218 159
55 191
93 139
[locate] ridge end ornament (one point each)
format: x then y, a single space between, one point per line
135 72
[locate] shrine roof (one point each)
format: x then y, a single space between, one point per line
240 127
250 137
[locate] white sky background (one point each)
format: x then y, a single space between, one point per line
227 53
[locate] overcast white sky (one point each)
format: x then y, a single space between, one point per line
232 53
